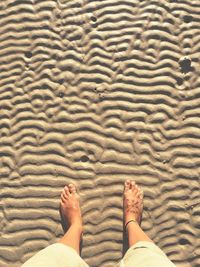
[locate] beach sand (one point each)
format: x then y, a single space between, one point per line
95 92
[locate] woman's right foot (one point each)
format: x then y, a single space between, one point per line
70 206
133 202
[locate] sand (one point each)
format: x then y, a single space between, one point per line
95 92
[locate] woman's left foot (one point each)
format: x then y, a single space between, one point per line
133 202
70 206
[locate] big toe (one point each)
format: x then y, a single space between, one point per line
72 188
133 186
127 185
66 191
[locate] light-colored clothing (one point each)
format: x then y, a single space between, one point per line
142 254
145 254
56 255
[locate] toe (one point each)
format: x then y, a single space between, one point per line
72 188
63 198
138 194
141 194
127 185
66 190
132 186
63 194
137 190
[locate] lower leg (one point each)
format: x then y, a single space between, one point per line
133 206
136 234
71 213
72 238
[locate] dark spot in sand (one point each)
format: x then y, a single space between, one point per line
61 81
183 96
50 116
4 134
84 158
46 97
94 19
61 95
179 81
187 77
187 18
45 75
28 54
184 241
185 65
98 80
169 21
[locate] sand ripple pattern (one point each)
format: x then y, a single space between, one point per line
94 92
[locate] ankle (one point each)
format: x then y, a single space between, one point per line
129 222
77 226
130 217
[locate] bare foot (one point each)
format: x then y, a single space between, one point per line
70 206
133 202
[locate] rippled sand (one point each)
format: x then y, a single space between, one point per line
95 92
